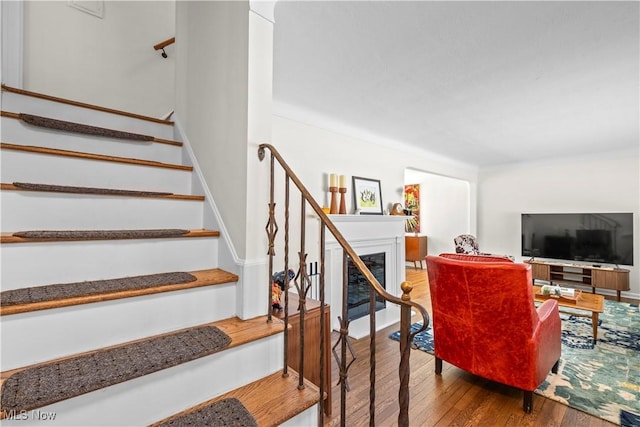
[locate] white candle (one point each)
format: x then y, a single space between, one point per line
342 184
333 179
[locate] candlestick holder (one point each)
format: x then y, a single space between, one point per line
343 203
334 200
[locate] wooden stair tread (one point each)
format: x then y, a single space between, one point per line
12 187
85 105
92 156
209 277
72 127
8 237
239 331
271 400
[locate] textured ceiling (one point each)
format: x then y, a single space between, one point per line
484 83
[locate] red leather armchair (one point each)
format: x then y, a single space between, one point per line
485 321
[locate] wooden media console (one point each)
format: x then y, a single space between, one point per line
616 279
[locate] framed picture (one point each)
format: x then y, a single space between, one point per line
412 207
367 196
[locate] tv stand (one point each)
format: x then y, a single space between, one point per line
616 278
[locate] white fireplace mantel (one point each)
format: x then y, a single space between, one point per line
367 234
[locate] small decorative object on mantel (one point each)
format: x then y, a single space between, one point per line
396 209
337 184
343 190
410 222
333 188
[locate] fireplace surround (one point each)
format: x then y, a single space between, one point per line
379 235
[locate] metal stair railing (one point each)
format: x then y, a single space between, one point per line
302 284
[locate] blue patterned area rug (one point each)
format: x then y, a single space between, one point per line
603 379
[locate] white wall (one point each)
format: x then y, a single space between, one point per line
211 101
108 61
313 152
609 183
12 29
446 209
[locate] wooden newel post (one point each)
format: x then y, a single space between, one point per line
405 349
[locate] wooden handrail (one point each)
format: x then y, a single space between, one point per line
164 44
324 219
85 105
405 303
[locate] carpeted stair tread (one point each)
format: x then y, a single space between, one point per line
225 412
51 382
32 236
85 105
53 188
271 401
66 294
100 234
72 127
44 383
85 190
55 124
39 294
93 156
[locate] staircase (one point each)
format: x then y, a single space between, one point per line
115 310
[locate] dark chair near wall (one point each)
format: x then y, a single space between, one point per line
485 321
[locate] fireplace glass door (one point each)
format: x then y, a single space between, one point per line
359 290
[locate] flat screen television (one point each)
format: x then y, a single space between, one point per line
596 238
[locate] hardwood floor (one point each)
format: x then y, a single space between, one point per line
455 398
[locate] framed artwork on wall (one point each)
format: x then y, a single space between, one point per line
367 196
412 207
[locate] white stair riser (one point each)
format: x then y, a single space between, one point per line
306 418
30 338
17 103
29 210
34 264
16 132
156 396
47 169
49 334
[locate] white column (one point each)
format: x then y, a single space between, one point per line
253 296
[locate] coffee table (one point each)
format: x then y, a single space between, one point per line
592 303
